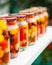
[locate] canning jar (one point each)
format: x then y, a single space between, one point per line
37 26
32 28
4 43
41 27
13 31
42 23
23 26
39 23
46 16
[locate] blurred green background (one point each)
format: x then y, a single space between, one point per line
45 58
17 5
13 6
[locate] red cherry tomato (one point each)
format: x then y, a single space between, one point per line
33 39
6 58
21 36
5 33
15 38
4 44
21 27
0 61
12 47
25 36
24 44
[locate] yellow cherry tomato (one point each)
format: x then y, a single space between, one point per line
4 27
0 31
2 21
24 41
1 38
1 53
3 24
33 28
42 19
29 34
26 26
25 30
13 32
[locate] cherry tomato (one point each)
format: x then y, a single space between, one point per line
6 36
33 39
12 47
25 36
21 27
15 38
21 36
0 61
6 58
24 44
4 44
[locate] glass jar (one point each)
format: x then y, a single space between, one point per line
36 19
42 20
40 23
23 26
4 44
45 15
13 30
32 28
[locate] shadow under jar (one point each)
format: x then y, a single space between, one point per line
4 43
13 30
23 26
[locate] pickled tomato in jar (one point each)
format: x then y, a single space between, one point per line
23 26
42 23
4 44
32 28
13 31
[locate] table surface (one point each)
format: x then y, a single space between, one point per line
32 52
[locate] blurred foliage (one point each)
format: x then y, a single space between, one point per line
45 58
4 3
47 55
17 5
